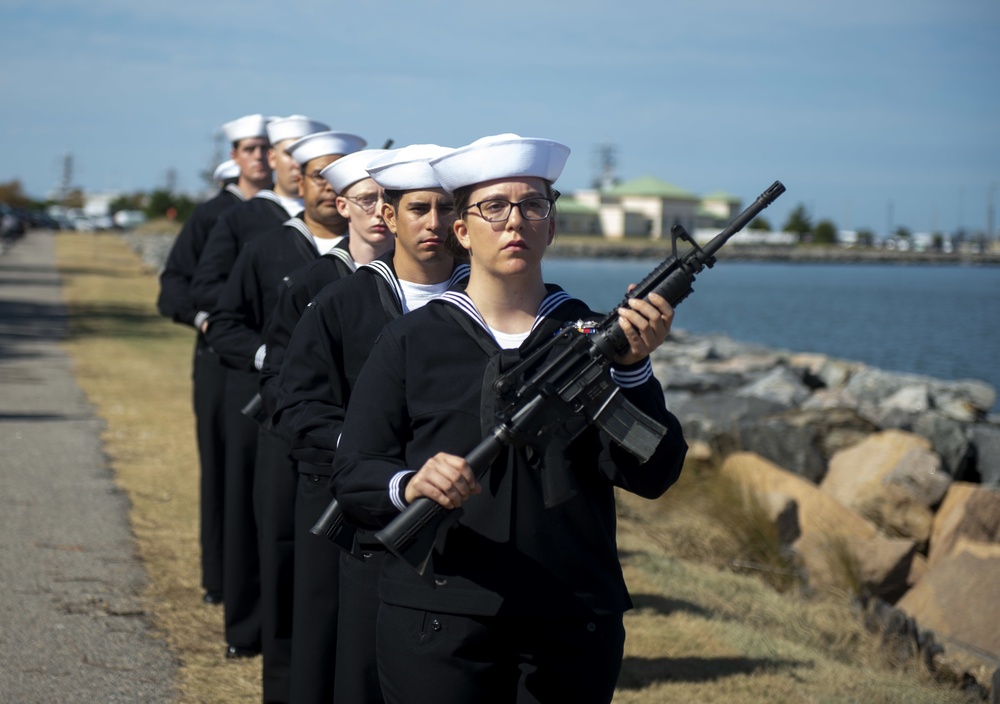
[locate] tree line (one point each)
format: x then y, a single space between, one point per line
162 202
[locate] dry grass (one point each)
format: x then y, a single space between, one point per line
711 519
701 632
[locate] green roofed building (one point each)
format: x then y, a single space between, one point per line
718 209
643 207
576 218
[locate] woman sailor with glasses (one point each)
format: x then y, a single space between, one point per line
526 602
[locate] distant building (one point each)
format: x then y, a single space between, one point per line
96 205
718 209
642 207
645 208
577 218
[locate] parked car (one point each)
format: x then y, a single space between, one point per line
12 223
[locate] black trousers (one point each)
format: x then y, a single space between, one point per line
317 569
208 378
357 668
436 657
241 562
275 481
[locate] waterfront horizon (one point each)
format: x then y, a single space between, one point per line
936 320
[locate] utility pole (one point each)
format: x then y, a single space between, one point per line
607 162
218 156
171 180
990 213
66 182
961 211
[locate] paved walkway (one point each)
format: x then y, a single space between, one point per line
72 628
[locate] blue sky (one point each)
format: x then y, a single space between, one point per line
871 113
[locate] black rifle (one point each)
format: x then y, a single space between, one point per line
254 410
542 410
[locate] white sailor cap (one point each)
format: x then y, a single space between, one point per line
226 170
324 144
293 127
501 156
245 127
408 168
345 172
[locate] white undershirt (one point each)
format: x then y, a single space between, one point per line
416 295
293 206
509 340
326 244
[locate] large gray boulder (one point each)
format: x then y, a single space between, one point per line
803 441
985 439
948 438
716 417
965 400
920 473
780 385
676 378
885 396
821 371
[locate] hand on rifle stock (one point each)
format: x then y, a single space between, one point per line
445 479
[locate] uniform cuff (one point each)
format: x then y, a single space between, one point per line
397 488
632 375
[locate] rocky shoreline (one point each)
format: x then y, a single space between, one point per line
894 477
580 247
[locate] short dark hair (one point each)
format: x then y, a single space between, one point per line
392 196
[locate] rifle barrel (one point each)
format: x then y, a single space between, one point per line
763 200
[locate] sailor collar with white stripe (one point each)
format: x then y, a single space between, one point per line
343 254
300 225
461 300
235 190
384 269
267 194
284 202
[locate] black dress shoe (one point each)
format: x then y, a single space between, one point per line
212 598
233 652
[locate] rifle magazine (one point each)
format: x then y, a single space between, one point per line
630 427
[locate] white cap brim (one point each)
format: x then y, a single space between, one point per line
408 168
293 127
345 172
501 156
324 144
226 170
246 127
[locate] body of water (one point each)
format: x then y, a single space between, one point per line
938 320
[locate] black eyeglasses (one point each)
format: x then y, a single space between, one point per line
498 210
366 202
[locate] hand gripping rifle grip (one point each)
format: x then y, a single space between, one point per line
422 527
